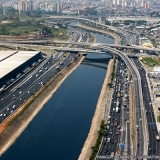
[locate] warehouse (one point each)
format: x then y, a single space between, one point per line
14 62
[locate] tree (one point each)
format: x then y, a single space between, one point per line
107 22
46 30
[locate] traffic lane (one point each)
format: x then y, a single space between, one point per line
16 92
150 117
103 150
26 97
112 147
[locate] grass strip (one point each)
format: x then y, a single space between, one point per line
95 148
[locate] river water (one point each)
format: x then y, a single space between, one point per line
59 130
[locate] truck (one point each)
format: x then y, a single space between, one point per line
117 104
125 95
115 122
117 109
112 154
157 137
118 131
118 127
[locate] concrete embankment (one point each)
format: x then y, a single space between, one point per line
11 129
114 35
102 109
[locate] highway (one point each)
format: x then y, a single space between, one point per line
82 44
119 133
22 90
141 134
154 145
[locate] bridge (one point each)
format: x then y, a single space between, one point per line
95 45
83 19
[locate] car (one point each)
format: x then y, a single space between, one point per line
115 141
13 98
110 132
4 114
109 122
140 120
13 106
7 109
28 92
107 127
20 92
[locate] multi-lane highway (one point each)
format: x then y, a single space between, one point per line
141 134
118 129
20 91
153 148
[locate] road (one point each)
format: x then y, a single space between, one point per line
141 134
154 145
120 100
15 96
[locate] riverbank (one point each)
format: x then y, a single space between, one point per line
102 109
10 130
115 36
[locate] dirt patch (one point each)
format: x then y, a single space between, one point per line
10 129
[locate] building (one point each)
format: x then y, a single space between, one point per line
13 63
25 6
60 7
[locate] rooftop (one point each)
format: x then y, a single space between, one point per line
5 54
15 61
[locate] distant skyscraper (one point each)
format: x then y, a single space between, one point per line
114 2
60 7
57 10
25 6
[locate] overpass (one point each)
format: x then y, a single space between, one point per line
83 44
83 19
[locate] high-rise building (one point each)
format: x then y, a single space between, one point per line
114 2
60 7
25 6
57 10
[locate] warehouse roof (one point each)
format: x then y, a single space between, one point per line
5 54
14 61
156 69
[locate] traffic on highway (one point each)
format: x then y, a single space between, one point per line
118 129
20 91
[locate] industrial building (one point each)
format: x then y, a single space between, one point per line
13 63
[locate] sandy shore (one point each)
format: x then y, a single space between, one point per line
9 134
115 36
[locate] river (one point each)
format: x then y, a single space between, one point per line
59 130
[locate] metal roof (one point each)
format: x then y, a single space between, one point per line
5 54
14 61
